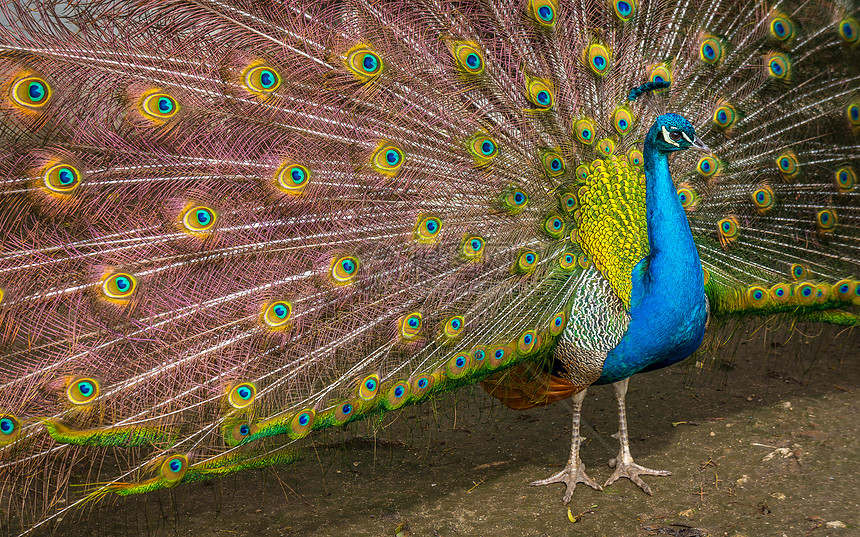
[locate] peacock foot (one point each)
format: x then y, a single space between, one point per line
572 474
632 471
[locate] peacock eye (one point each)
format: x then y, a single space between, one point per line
675 135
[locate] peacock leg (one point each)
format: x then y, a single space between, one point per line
623 464
574 472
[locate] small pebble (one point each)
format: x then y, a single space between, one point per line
835 524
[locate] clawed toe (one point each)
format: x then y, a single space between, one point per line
570 476
632 471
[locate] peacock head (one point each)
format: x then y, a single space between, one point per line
672 132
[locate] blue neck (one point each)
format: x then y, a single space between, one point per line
673 262
667 303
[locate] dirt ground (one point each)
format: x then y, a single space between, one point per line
767 447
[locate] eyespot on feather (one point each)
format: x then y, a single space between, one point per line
826 220
158 106
292 178
781 28
198 219
843 290
119 286
421 385
846 179
526 343
368 388
526 262
539 93
781 293
554 226
852 112
553 163
568 202
260 79
788 164
453 327
758 296
624 9
799 271
849 30
725 116
557 323
364 63
469 58
598 56
30 92
778 66
763 199
688 198
387 159
660 73
458 365
805 293
241 431
397 395
345 411
584 131
427 229
499 355
242 395
567 261
712 50
277 314
173 468
479 357
61 178
514 200
483 148
82 390
473 247
301 424
410 326
728 230
606 147
635 157
344 269
623 120
545 12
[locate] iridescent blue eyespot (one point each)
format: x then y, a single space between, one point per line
461 361
473 60
710 53
479 354
392 156
543 98
545 13
7 426
244 429
398 391
528 339
499 354
175 464
422 383
304 419
487 148
346 409
36 91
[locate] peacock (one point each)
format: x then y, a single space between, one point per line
228 224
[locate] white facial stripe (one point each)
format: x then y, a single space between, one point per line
668 139
684 134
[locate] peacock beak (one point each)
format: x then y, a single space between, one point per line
697 143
